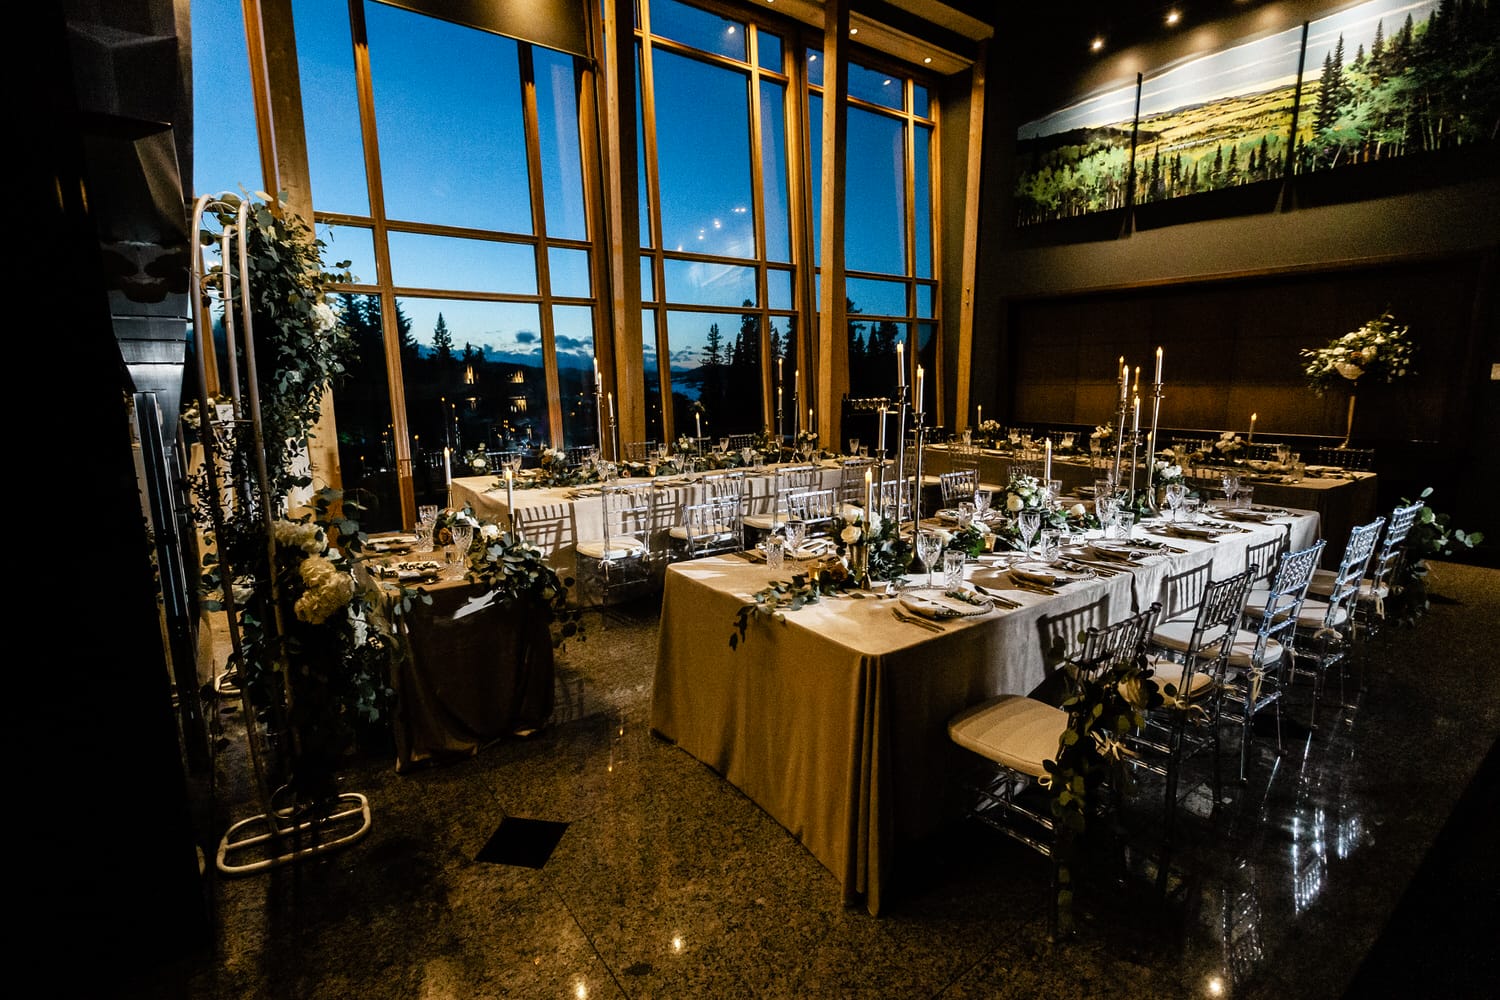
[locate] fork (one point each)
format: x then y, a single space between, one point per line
919 622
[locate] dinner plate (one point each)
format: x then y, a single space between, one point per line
812 550
1255 516
935 602
1195 531
1320 469
1118 553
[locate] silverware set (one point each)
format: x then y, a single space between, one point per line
926 623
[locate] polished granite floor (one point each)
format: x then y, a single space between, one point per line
1317 878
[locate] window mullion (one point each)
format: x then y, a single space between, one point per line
539 228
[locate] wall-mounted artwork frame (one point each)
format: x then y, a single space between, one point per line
1075 160
1225 132
1388 79
1218 120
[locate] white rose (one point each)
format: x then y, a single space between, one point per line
489 532
850 534
1077 510
324 318
1013 503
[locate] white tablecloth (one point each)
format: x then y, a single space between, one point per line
556 518
835 720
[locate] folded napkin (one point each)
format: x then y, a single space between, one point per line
945 603
814 547
1117 555
1034 573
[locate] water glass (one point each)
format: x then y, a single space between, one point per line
1244 497
1049 550
953 568
982 499
853 447
965 513
775 551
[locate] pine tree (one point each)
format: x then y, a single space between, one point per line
713 346
1377 52
442 340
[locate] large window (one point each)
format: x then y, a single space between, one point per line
460 197
721 214
717 252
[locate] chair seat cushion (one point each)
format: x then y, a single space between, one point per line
1165 671
1310 617
1177 635
764 522
1012 730
621 547
1322 585
1241 656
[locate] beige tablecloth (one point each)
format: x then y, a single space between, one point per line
835 720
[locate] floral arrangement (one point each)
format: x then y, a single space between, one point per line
972 539
339 646
1025 493
1230 447
1431 536
822 578
686 445
989 430
554 469
767 444
447 520
807 442
887 554
1379 349
1106 707
515 571
1101 433
477 462
1168 469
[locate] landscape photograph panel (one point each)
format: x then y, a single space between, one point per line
1393 78
1076 160
1219 120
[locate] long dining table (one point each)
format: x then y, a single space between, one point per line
1343 498
834 718
556 518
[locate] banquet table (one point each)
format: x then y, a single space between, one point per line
1342 499
475 672
556 518
835 720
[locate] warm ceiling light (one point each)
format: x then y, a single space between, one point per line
927 59
1096 44
812 57
853 31
1173 17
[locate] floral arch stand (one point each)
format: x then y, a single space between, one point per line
284 831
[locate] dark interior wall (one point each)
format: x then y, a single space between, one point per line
1233 289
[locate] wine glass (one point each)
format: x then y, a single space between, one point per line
853 446
929 544
1029 521
1231 486
426 520
723 445
1176 493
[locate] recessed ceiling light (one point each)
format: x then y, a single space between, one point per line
1096 44
1173 17
853 31
927 59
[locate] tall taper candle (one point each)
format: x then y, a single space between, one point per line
611 407
778 370
510 497
901 363
979 417
880 444
698 418
1252 426
1158 366
1137 390
1047 469
1124 382
447 466
919 388
1135 424
869 494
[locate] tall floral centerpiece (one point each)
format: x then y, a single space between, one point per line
1380 350
312 650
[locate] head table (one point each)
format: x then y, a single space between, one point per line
835 720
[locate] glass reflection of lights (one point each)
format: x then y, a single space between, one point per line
1309 860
